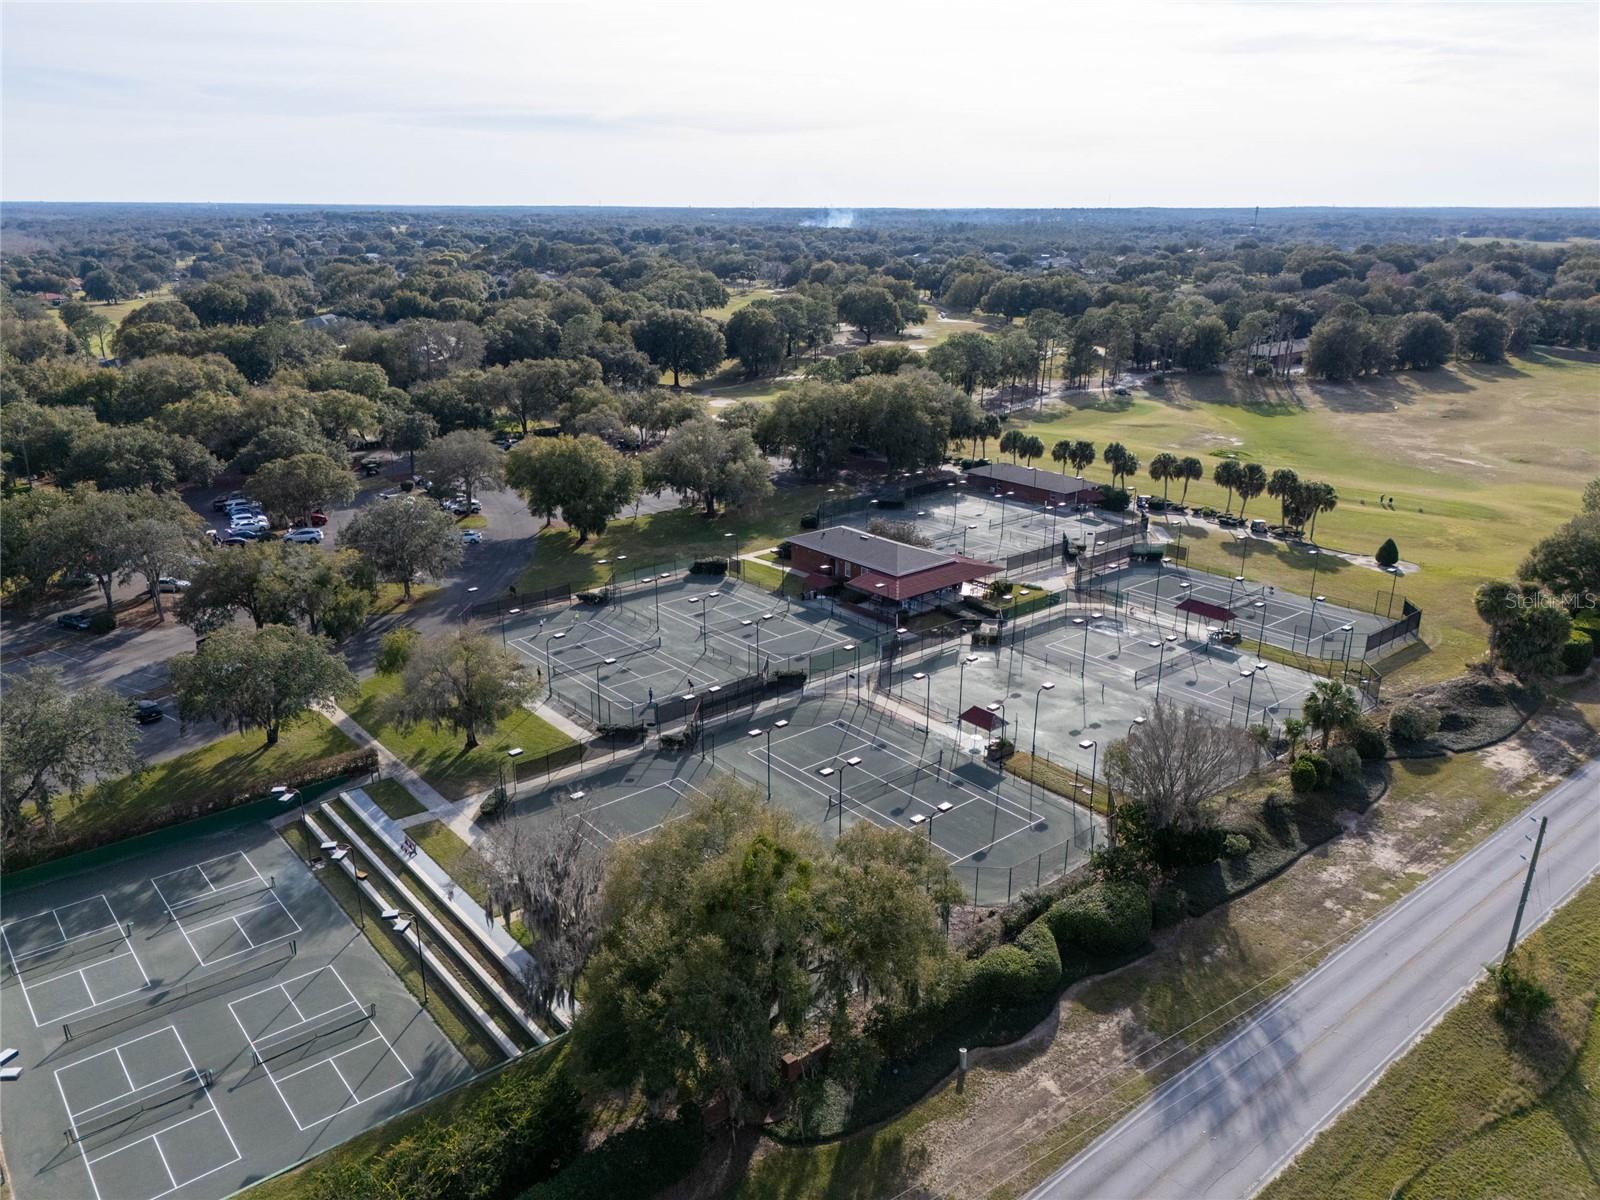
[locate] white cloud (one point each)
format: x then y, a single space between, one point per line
818 103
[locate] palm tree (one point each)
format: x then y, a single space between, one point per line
988 428
1251 483
1189 469
1164 467
1331 706
1227 476
1080 456
1281 488
1011 442
1032 448
1114 455
1130 465
1061 451
1323 499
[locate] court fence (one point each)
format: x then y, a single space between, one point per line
1409 625
515 601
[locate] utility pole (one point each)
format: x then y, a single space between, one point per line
1527 884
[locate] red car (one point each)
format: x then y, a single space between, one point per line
317 518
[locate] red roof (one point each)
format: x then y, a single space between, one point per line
1200 608
908 587
981 717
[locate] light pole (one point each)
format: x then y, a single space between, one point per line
1349 636
961 681
288 795
403 920
1244 541
514 754
549 663
1155 605
1250 696
856 650
927 701
1316 562
927 819
1003 496
1111 808
853 761
1311 621
1033 744
767 733
1094 765
1394 578
999 706
1261 634
610 662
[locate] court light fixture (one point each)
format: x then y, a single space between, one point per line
1046 686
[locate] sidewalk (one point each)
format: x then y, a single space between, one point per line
388 764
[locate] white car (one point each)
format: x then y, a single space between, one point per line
471 537
312 536
168 584
250 522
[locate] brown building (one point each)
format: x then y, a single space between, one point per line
1034 484
886 576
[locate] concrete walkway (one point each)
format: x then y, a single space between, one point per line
388 764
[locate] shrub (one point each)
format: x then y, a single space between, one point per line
1044 957
1003 977
1412 723
1168 905
1102 919
394 649
102 622
1303 775
809 521
789 677
1520 999
632 1165
1368 740
494 804
1322 766
620 730
1344 762
709 566
1236 845
1115 499
1578 653
591 598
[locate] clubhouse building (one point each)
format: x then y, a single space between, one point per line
889 579
1034 484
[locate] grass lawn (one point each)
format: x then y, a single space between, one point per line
391 598
737 299
460 860
657 537
774 579
1482 462
236 765
1475 1109
391 796
438 754
116 312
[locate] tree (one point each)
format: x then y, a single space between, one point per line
160 535
1388 554
1283 487
293 487
409 430
870 309
1176 761
53 740
1012 442
1527 628
86 534
466 459
1203 344
1316 499
1343 347
1227 474
1251 482
964 359
258 678
582 478
1189 469
1591 496
1481 335
539 390
402 539
463 681
1120 460
708 462
1163 468
732 925
104 285
550 875
1331 707
1080 456
677 340
1422 341
1568 562
756 338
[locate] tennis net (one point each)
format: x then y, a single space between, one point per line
125 1108
866 787
274 1046
222 897
580 655
68 950
1175 663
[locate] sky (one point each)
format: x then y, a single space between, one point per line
866 104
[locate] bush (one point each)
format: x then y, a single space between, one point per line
1003 977
1321 765
1236 845
494 804
789 677
1102 919
1168 905
394 649
1303 775
1344 763
595 598
809 521
1114 499
102 622
1578 653
1368 740
632 1165
620 730
709 566
1519 998
1044 957
1413 723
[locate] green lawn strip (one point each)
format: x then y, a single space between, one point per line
1054 777
391 796
1480 507
455 1022
234 765
774 579
1476 1108
473 521
459 860
441 912
438 754
446 1110
679 534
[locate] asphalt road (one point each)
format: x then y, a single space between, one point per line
1232 1120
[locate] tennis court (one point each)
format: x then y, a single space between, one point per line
670 636
191 1019
834 763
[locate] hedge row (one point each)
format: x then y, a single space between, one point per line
1578 653
632 1165
517 1133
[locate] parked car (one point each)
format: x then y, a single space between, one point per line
250 521
168 584
318 519
1229 521
471 537
309 536
146 712
222 502
460 506
75 620
371 467
236 540
1258 526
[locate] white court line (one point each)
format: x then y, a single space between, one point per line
212 888
55 916
234 917
678 789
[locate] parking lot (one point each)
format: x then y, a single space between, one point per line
195 1018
